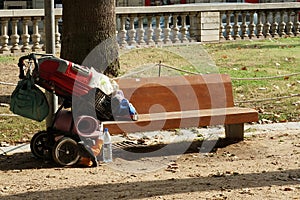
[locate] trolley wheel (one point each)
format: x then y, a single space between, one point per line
39 145
65 152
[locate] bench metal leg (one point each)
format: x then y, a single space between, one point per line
234 132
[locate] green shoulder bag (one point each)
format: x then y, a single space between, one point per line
29 101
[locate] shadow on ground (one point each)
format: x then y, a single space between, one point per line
5 99
26 160
146 189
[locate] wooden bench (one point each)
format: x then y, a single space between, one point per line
165 103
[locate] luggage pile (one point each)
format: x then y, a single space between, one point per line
89 98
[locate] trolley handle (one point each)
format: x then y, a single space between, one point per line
21 64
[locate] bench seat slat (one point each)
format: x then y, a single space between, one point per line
183 119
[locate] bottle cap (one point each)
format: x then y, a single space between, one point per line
105 129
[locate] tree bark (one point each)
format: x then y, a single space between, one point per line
89 34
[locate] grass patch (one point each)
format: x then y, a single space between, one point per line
9 59
263 58
18 129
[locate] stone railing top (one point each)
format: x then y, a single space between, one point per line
27 12
204 7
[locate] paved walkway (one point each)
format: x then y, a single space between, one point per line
169 136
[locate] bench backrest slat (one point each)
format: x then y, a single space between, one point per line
179 93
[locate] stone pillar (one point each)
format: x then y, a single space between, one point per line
158 30
267 26
36 37
167 30
195 26
57 33
149 31
251 26
221 26
259 27
282 24
236 26
25 36
274 26
15 38
4 37
122 32
244 26
228 26
141 31
289 25
183 29
210 24
131 32
296 24
175 29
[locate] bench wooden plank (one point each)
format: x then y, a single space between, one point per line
178 93
183 119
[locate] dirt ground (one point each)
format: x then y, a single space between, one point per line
264 166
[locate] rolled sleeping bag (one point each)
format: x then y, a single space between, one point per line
63 120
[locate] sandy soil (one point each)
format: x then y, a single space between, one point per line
264 166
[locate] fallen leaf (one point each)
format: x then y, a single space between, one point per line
288 189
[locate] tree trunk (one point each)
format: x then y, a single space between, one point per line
89 34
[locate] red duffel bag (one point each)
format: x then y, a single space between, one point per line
61 76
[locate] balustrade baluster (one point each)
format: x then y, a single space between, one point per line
141 31
236 26
195 27
36 37
4 36
274 26
282 24
131 32
183 29
259 27
228 26
25 36
289 26
57 33
244 26
158 30
167 30
122 32
175 29
296 23
267 26
15 38
43 38
150 31
251 26
221 26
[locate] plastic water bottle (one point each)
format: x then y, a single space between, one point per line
107 146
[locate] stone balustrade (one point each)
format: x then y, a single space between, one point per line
22 30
